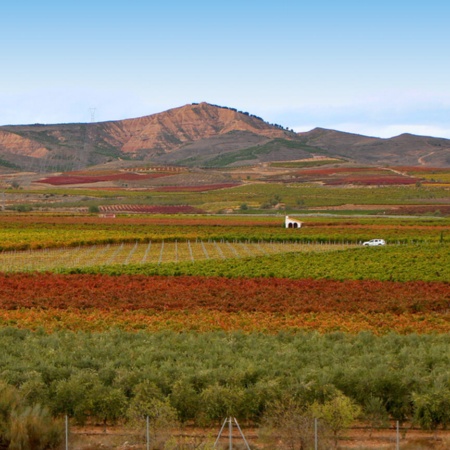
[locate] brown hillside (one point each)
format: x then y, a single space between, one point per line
15 144
180 126
74 146
406 149
202 135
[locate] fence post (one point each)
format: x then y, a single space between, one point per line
147 432
315 434
67 432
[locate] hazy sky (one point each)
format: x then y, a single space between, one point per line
370 67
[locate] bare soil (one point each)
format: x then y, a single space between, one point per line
119 438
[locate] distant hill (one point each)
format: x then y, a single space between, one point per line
201 135
406 149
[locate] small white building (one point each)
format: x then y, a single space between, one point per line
292 223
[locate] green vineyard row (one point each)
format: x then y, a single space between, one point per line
391 263
151 252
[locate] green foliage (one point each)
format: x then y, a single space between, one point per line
84 395
307 163
432 408
222 401
185 400
101 377
291 423
145 396
33 428
21 208
94 209
10 165
162 417
9 401
255 152
393 263
26 426
338 413
375 412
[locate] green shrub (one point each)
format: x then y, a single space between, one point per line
26 427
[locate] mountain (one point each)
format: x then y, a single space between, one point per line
406 149
200 135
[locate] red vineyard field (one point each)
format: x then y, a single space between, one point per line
204 304
275 295
61 180
363 176
340 170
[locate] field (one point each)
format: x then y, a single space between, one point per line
194 317
262 189
152 252
20 232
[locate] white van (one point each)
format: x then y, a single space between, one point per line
375 242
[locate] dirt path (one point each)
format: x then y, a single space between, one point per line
421 160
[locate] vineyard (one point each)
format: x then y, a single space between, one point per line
47 231
198 317
62 180
204 304
298 191
152 252
149 209
393 263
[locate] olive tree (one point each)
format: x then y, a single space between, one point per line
290 425
338 413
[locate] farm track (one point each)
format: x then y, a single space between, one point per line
152 252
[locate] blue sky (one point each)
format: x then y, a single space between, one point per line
379 68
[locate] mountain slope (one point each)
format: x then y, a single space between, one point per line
70 146
406 149
202 135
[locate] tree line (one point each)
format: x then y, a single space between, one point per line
202 378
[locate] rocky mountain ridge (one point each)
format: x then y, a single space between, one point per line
201 134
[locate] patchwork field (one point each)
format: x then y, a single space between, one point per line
216 315
265 188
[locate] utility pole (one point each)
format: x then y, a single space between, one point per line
92 111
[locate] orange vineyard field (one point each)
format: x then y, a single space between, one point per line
133 302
